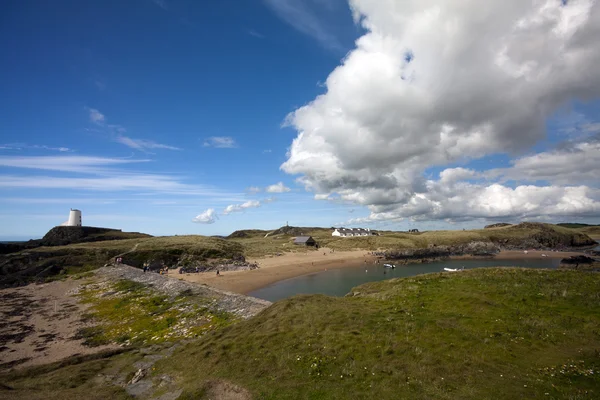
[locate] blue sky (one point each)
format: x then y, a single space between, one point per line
147 114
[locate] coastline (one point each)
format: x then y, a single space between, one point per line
292 265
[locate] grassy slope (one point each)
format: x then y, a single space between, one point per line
258 245
499 333
488 333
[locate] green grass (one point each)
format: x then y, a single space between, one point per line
493 333
257 244
78 377
483 334
133 314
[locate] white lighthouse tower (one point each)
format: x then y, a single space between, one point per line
74 218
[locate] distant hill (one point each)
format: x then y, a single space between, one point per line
65 235
498 225
574 225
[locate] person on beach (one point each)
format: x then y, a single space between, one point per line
218 274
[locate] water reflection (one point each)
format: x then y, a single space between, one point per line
338 282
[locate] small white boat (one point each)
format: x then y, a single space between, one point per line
544 255
453 269
389 265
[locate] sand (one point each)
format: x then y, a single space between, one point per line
291 265
38 323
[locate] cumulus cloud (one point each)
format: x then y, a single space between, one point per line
232 208
241 207
279 187
143 145
422 90
222 142
207 217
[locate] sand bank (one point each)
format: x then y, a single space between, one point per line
39 323
291 265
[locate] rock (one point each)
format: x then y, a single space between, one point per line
138 375
577 260
498 225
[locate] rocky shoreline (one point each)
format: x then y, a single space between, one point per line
474 249
222 300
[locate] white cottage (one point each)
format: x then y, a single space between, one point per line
348 232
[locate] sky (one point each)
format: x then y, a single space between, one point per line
184 117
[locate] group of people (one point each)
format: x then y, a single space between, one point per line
164 270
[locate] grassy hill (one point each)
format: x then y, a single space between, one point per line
41 262
524 235
501 333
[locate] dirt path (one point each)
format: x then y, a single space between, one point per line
38 323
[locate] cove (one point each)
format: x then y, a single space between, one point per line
339 281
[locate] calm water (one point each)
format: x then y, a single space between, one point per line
338 282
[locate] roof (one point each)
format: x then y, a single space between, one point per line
353 230
303 239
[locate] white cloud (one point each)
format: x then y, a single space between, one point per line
277 188
266 151
421 90
143 145
96 116
24 146
222 142
302 17
101 174
207 217
83 164
241 207
246 205
254 189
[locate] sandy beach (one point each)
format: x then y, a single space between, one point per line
291 265
39 323
274 269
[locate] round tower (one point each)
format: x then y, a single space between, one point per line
74 218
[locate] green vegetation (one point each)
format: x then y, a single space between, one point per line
78 377
490 333
523 235
43 262
501 333
134 314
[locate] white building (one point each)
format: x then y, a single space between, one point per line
74 218
347 232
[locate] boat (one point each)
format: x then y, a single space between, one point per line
453 269
389 265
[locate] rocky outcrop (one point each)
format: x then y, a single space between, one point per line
37 265
434 252
535 235
65 235
222 300
498 225
582 263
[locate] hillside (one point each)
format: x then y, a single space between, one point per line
526 235
65 235
43 262
500 333
194 250
574 225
